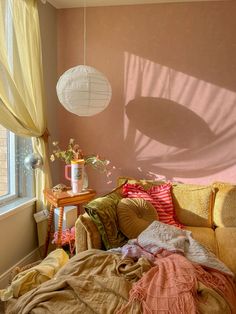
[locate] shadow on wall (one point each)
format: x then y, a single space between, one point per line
175 125
172 71
169 123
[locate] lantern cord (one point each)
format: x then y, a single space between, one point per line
85 33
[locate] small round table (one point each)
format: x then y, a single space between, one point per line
62 199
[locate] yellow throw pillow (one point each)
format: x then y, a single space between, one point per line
134 216
193 204
224 213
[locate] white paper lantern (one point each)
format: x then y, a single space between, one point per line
83 90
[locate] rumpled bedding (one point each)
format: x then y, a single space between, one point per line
171 286
158 236
33 277
180 265
93 281
155 278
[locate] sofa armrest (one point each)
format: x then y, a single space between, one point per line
86 234
226 239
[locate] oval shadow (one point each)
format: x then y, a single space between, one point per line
169 122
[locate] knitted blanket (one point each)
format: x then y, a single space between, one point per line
171 287
180 264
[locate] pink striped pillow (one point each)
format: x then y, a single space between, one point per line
159 196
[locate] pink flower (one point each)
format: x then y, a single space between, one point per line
67 238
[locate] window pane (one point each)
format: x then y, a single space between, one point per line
15 180
4 181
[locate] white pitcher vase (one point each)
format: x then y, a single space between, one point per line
77 175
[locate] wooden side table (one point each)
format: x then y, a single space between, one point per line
62 199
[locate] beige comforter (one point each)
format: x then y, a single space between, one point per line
91 282
97 281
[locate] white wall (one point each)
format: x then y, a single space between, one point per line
18 236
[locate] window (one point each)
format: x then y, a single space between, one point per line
15 180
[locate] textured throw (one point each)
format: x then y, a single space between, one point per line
218 281
171 287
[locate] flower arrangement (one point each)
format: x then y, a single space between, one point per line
74 152
67 240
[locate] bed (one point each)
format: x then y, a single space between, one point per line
160 268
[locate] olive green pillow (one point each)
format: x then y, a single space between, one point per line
102 211
134 216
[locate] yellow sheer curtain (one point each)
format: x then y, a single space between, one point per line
22 101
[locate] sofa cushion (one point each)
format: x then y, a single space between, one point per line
205 236
193 204
134 216
102 211
226 240
159 196
224 212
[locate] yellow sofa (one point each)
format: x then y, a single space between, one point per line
208 211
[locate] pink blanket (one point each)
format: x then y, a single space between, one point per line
171 286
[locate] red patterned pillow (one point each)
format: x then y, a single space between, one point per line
159 196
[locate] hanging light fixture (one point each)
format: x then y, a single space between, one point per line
83 90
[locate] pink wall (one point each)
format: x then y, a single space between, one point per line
172 68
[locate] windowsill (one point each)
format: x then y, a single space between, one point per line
16 206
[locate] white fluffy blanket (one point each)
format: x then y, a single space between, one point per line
160 236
